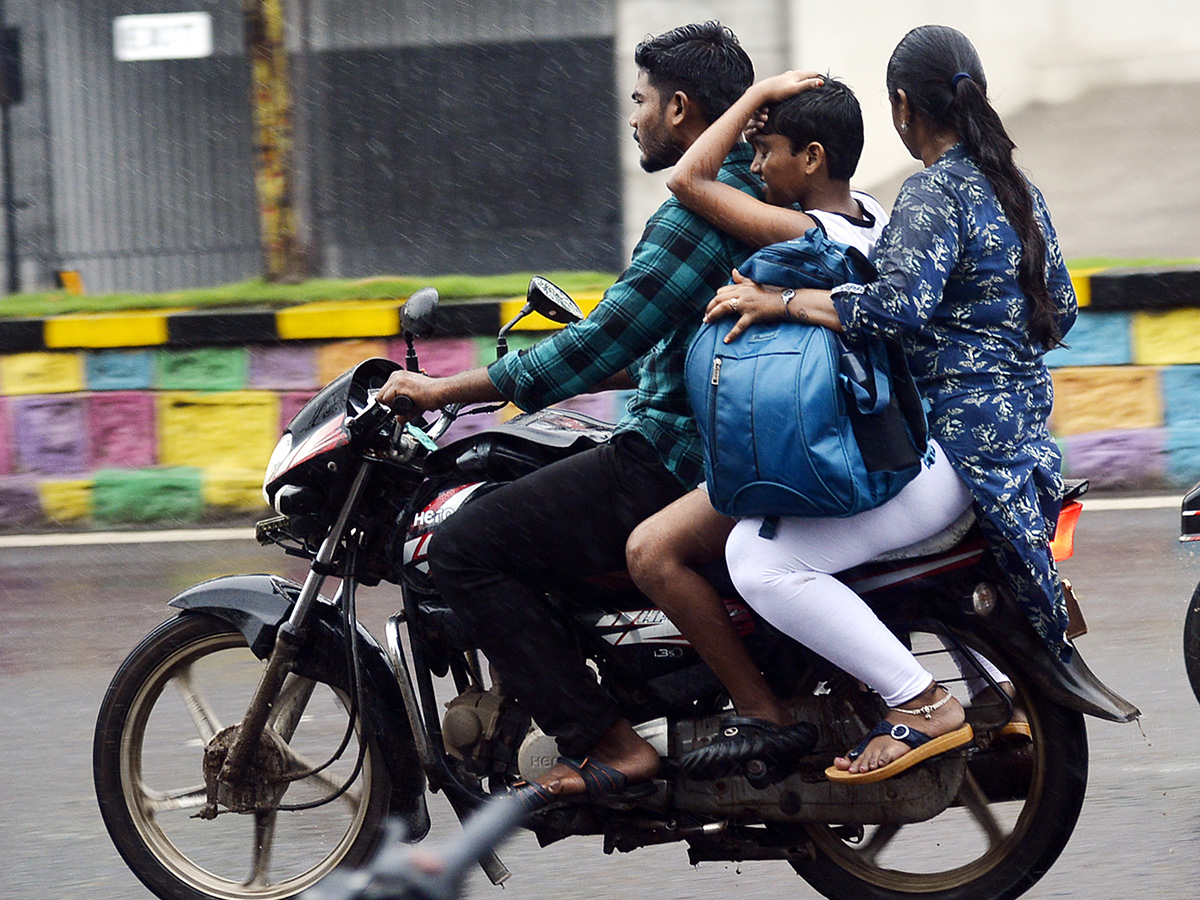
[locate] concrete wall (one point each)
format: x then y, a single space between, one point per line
1033 51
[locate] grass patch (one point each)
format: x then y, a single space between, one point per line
256 292
1107 262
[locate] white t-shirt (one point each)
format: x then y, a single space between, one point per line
859 233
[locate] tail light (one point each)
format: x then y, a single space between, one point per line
1063 545
1189 525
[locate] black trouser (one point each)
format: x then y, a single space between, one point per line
493 560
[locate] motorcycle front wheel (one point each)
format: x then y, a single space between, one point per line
187 680
1191 642
1010 821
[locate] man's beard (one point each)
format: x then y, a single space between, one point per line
659 155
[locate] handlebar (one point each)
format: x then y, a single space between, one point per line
401 871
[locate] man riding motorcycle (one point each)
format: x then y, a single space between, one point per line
569 520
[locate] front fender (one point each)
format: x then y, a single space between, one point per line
256 605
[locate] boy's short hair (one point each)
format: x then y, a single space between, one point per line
829 115
704 60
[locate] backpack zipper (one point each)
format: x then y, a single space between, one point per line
716 372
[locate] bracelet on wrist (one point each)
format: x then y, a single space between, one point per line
787 297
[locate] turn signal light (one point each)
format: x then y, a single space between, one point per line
1063 545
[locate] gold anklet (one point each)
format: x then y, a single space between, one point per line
928 710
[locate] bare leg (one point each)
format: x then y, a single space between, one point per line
663 555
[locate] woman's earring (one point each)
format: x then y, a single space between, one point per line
904 128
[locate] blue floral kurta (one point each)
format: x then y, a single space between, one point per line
948 291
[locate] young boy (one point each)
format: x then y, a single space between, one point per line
807 143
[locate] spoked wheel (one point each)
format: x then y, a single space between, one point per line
188 680
1012 817
1191 642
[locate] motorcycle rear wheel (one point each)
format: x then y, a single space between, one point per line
187 679
980 848
1191 642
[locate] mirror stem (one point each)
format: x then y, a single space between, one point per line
410 359
501 339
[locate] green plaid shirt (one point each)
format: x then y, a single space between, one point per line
644 324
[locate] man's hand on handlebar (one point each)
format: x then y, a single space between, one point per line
409 394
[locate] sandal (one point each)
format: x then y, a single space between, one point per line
923 747
602 783
1013 732
1016 730
742 739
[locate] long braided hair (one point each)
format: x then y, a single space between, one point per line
940 71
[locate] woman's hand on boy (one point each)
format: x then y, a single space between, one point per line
757 303
749 301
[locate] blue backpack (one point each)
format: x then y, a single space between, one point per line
794 420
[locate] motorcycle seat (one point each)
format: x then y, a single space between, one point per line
938 543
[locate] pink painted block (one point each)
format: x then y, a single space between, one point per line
441 356
283 368
6 454
290 404
51 432
123 432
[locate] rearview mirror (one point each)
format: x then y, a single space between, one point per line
419 312
548 299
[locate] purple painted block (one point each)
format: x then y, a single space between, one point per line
19 502
283 368
441 356
51 432
290 404
1132 458
123 432
467 426
5 439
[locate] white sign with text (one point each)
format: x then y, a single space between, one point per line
164 36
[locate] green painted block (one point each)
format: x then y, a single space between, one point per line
202 369
148 495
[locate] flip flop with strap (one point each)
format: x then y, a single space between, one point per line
602 782
1013 733
923 747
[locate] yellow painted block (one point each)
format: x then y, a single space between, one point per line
1081 280
338 319
230 430
41 373
587 301
233 488
1166 338
1101 398
127 329
66 500
336 357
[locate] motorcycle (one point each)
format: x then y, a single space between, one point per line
259 739
1189 530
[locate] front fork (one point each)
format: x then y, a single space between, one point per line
289 638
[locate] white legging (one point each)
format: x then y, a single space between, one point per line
787 579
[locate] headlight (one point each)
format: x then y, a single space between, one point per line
275 465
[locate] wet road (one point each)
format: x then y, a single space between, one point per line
68 616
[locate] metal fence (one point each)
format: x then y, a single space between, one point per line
431 138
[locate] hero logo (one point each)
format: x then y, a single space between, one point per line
443 506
